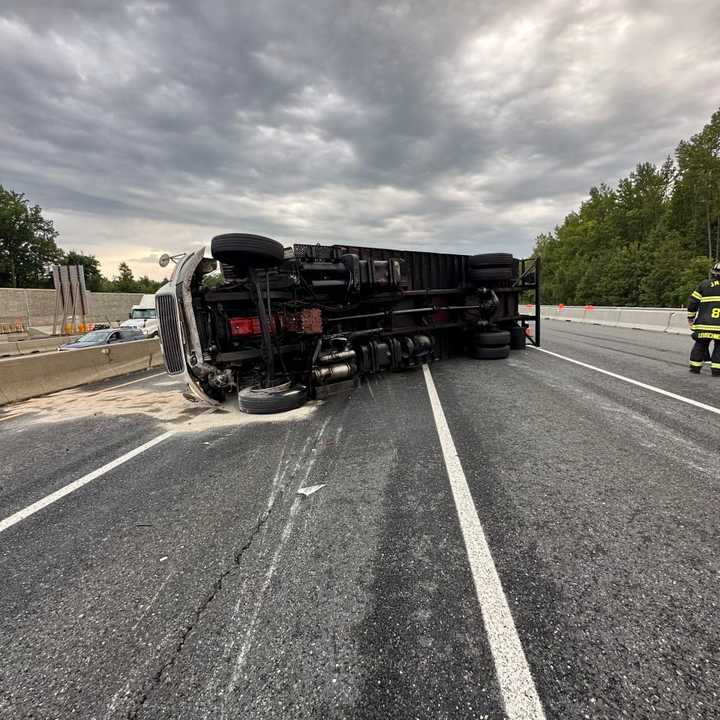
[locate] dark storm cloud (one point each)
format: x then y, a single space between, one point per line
460 126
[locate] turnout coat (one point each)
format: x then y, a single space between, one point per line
704 309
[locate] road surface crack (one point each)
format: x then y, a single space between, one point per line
134 712
278 491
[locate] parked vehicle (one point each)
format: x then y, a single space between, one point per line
143 317
103 337
286 324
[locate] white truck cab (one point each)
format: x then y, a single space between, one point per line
143 317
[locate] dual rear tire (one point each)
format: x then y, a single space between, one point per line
490 345
490 268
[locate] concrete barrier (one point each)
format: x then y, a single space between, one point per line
37 307
603 316
572 314
638 319
669 320
34 345
8 348
30 375
678 323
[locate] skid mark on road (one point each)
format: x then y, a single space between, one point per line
151 602
647 432
282 478
631 381
250 630
517 686
123 693
218 584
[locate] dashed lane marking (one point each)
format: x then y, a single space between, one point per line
517 686
76 484
652 388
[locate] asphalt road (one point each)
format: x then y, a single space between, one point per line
192 580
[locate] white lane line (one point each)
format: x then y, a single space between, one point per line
130 382
76 484
652 388
516 683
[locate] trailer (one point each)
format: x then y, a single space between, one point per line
287 324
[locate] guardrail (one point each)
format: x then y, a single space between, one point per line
31 346
669 320
27 376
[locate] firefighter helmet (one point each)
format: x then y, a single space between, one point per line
715 272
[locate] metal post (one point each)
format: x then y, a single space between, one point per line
264 327
56 285
537 301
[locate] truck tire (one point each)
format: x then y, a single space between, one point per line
493 338
264 401
491 260
478 276
518 339
490 353
243 250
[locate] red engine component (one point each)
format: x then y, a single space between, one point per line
240 326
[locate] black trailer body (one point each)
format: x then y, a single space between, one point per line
285 324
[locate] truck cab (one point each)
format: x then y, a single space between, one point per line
143 317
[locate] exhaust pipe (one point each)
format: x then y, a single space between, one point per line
334 373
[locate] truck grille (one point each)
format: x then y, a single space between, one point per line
166 306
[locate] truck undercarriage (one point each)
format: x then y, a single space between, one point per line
286 324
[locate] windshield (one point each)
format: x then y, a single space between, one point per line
142 313
93 337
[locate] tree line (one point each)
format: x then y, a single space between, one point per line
28 249
646 242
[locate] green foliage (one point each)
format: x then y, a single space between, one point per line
27 242
213 279
125 282
146 285
28 249
649 241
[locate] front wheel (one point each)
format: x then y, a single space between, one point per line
265 401
244 250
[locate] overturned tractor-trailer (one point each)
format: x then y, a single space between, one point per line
287 324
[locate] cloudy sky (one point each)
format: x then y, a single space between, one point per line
147 127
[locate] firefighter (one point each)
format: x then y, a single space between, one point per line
704 319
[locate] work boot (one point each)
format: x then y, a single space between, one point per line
695 370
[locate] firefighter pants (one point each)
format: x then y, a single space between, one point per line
700 353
